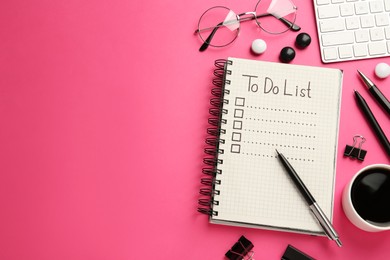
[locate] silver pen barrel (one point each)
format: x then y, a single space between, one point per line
325 223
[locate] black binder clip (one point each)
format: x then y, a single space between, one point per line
292 253
241 249
356 152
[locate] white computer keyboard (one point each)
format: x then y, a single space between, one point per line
353 29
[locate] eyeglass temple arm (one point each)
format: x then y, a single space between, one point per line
293 26
206 43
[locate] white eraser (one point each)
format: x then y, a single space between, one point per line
382 70
259 46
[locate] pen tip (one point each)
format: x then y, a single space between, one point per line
366 80
338 242
277 151
362 76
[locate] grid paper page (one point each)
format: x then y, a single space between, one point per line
294 109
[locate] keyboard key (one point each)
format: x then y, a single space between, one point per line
360 50
388 46
387 5
346 9
362 36
328 11
377 48
352 22
367 21
331 25
382 19
337 38
376 6
345 51
323 2
387 33
361 8
377 34
337 1
330 53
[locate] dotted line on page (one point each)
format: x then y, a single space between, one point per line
274 156
281 145
280 121
280 133
283 110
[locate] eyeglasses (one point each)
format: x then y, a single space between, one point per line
219 26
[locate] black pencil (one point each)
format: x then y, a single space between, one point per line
372 121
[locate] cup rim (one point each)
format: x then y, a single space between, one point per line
378 165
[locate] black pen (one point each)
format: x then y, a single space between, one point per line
372 120
315 209
382 100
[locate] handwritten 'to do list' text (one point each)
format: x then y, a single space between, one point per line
282 87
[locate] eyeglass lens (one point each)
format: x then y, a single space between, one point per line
221 23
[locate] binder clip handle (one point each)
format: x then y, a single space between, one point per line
356 152
241 250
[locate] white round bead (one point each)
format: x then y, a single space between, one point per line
259 46
382 70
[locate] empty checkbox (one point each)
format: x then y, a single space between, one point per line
238 113
240 101
235 148
237 124
236 137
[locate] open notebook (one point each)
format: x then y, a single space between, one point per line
259 107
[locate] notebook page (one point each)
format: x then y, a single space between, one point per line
294 109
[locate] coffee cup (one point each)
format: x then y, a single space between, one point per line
366 198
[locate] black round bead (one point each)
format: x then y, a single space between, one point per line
287 54
303 40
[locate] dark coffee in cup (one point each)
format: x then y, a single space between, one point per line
370 196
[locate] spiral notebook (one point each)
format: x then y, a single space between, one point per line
259 107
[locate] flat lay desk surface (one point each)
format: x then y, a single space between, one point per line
104 108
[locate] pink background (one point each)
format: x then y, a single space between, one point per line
103 108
